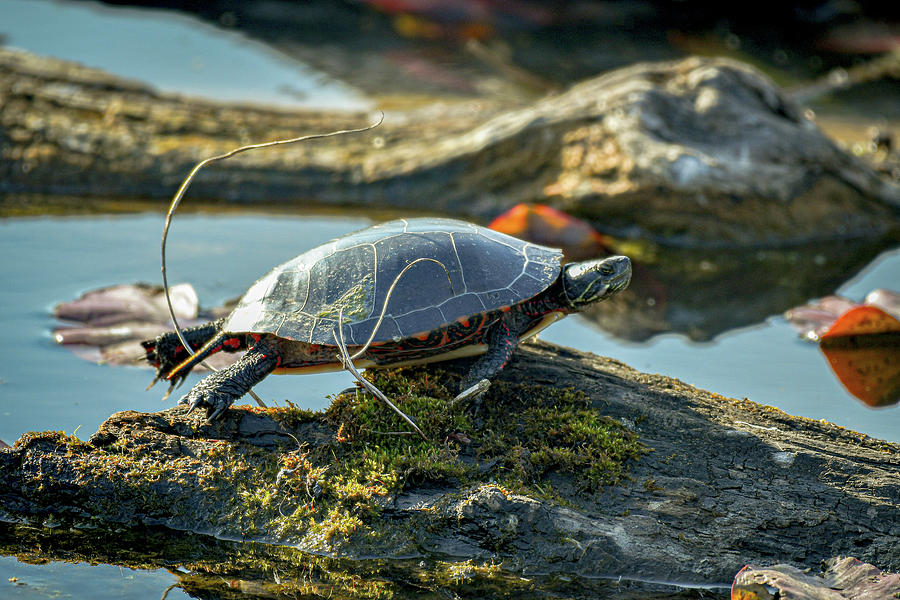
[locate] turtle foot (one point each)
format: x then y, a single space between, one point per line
166 352
163 354
201 397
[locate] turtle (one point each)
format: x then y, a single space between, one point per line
405 292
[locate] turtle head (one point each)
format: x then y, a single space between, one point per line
593 280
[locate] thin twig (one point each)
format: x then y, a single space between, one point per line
348 364
390 291
180 194
347 360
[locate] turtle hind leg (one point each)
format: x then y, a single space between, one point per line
218 391
502 342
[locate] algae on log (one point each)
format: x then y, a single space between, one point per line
690 152
723 482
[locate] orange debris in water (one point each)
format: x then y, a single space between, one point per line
863 320
548 226
870 374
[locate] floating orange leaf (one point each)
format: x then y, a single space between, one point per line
543 224
863 320
863 349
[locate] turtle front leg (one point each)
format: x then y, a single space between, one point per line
502 343
218 391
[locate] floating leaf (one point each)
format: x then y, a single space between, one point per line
863 320
543 224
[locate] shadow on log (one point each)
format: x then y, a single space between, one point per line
584 467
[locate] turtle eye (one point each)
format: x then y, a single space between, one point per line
606 270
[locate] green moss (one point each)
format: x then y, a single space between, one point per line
57 438
290 416
529 439
525 434
331 494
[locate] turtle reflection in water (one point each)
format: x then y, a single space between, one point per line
406 292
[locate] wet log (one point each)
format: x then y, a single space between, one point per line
694 152
575 464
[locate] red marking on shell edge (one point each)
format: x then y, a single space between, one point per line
232 343
256 337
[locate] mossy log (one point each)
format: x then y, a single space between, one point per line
575 464
694 152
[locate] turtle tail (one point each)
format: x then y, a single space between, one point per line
220 341
166 351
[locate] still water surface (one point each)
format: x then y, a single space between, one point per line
43 386
173 52
51 260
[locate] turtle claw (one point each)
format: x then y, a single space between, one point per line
152 383
168 392
210 417
215 407
193 406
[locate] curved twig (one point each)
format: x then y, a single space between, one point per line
348 364
387 298
180 194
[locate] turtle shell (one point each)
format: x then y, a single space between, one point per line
440 270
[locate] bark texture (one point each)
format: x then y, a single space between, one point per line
725 483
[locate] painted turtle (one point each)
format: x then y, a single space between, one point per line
405 292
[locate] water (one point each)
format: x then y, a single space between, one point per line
56 259
766 363
79 580
51 260
171 51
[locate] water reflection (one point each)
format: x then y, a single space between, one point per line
203 567
703 293
174 52
867 365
